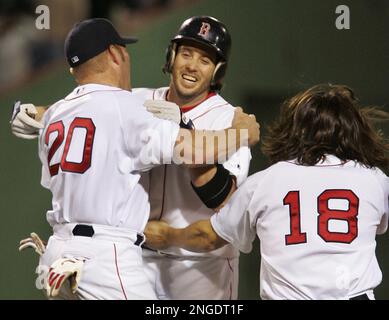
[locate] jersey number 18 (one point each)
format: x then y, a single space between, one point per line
292 199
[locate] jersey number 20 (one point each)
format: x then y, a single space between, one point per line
292 199
77 167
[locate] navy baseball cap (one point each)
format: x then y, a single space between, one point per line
91 37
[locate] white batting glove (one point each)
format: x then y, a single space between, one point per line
164 110
61 270
23 124
33 242
168 111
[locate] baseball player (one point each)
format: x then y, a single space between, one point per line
101 133
316 210
197 60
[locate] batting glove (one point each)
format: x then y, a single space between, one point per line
61 270
168 111
23 124
33 242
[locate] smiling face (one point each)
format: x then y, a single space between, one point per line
192 73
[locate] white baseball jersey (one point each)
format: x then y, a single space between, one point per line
171 194
92 149
316 224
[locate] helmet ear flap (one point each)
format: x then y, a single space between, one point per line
170 57
219 72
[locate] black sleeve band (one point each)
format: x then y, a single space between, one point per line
213 193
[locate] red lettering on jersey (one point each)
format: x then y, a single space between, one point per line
54 127
292 199
85 164
326 214
65 165
204 30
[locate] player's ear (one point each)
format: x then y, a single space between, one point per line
71 71
114 54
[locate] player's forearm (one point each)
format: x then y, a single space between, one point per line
213 184
202 147
197 237
202 175
219 145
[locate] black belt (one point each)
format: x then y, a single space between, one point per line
84 230
360 297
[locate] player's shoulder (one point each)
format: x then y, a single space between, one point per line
260 176
217 103
152 93
52 108
362 169
381 174
103 95
213 113
127 104
370 170
125 97
377 174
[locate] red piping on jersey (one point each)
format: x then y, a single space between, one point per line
117 271
232 270
163 191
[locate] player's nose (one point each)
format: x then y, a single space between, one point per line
191 65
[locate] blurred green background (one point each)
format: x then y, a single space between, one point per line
279 47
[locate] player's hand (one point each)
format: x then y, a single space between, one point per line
157 234
62 270
23 123
167 110
246 121
34 242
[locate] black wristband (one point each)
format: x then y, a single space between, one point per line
214 192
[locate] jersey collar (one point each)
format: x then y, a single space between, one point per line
89 88
190 107
329 161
